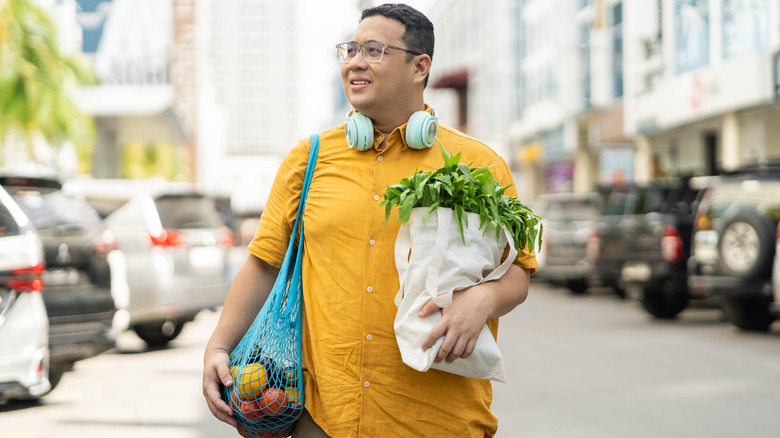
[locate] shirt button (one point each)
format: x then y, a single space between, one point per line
368 336
370 289
376 197
379 158
372 242
366 384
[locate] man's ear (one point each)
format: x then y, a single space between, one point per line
422 66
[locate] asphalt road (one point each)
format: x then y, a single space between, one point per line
580 367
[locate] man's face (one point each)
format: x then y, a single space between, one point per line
382 86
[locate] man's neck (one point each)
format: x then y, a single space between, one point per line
390 122
389 125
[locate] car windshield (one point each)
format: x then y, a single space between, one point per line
187 212
55 213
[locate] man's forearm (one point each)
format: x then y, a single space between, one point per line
509 291
248 292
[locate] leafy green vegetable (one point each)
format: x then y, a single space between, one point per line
465 189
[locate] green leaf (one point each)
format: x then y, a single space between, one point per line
465 189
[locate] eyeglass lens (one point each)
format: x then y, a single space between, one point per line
372 51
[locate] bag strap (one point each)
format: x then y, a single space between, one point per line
284 304
313 152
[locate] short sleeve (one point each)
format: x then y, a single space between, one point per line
276 222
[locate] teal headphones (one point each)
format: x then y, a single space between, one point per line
421 131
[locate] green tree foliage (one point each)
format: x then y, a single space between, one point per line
36 79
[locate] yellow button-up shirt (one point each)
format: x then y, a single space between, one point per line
356 384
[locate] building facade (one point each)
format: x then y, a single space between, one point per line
702 88
582 93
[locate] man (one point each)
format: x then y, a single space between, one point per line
356 384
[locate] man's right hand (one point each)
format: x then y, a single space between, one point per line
216 372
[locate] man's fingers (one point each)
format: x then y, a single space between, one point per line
217 406
224 375
436 332
472 344
428 309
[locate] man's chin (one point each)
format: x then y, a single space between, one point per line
361 105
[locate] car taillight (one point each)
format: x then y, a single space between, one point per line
106 243
226 237
168 238
26 279
672 245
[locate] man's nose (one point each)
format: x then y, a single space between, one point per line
358 60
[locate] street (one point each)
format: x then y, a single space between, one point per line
589 366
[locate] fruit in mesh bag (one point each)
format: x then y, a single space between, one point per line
251 380
250 410
273 402
292 394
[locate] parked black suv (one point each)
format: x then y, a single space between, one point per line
659 244
77 279
734 245
641 241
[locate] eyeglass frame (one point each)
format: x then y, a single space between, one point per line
362 48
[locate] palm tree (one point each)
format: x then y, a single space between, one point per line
36 80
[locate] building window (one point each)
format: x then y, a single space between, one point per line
692 34
745 26
616 35
585 65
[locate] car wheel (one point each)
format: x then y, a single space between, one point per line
577 287
159 334
752 314
746 246
666 299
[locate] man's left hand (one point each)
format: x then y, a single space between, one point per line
460 325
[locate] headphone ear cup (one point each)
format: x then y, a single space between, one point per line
359 131
421 130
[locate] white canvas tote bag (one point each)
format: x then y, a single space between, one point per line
433 263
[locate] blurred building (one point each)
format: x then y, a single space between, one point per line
702 84
472 80
250 51
568 134
143 68
580 93
249 103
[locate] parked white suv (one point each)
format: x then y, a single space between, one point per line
24 323
176 247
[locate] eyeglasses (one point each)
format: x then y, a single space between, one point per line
373 51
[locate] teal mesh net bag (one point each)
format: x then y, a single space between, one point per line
267 391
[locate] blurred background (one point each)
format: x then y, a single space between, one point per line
571 93
642 131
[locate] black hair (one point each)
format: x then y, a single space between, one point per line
418 29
